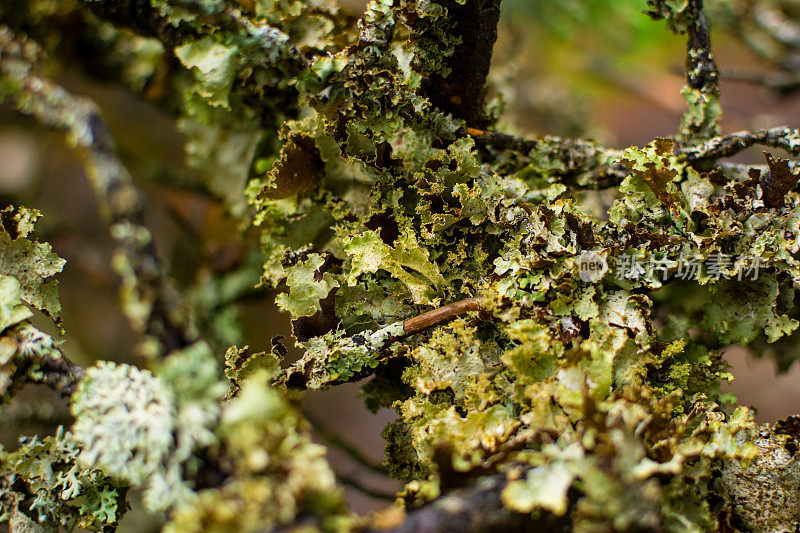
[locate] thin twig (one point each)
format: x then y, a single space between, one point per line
356 484
784 82
777 25
420 323
348 449
412 326
297 375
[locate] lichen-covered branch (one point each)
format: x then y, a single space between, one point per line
60 374
701 93
478 507
143 17
576 162
173 23
36 359
460 89
553 356
787 139
701 70
582 164
148 301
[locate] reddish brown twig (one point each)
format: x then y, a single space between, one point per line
438 316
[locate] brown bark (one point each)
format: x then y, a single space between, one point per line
462 92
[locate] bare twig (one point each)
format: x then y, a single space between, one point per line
776 24
298 375
356 484
348 449
785 82
415 325
770 35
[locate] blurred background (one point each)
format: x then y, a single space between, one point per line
598 69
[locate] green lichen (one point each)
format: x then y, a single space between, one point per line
444 262
42 488
33 264
276 472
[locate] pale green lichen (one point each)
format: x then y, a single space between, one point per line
146 429
43 489
33 264
276 472
12 310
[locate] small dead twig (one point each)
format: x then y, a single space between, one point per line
301 373
438 316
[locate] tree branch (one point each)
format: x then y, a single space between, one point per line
776 24
356 484
462 91
35 358
141 17
61 375
784 82
578 163
583 164
728 145
148 300
478 507
701 70
345 447
701 119
770 35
